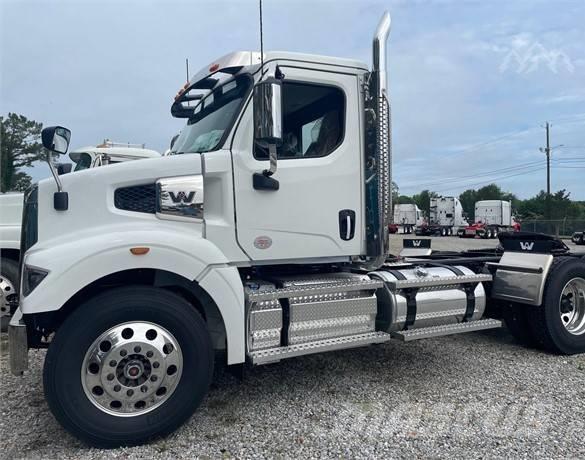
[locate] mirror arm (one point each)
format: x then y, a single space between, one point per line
54 172
273 156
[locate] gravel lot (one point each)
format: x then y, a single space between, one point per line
470 396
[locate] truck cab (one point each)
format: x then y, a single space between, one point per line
263 237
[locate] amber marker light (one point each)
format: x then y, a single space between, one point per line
140 251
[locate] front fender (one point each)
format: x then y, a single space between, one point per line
73 265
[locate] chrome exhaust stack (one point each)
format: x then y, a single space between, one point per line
378 170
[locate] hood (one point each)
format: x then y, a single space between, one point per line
92 195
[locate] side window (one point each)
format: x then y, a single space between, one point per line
313 121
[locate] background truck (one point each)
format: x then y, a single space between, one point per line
407 217
491 218
11 213
445 217
578 237
266 238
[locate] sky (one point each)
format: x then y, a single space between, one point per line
472 83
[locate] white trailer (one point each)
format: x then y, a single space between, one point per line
11 213
445 217
491 218
264 238
494 212
407 217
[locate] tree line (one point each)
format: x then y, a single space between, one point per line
560 207
20 147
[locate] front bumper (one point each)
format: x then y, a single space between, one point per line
17 344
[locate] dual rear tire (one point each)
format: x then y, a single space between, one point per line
558 324
129 365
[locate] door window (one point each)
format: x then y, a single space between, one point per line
313 121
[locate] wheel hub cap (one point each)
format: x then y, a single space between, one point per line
572 306
132 368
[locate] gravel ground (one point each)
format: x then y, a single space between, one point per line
477 395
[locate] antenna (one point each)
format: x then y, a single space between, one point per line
187 64
261 42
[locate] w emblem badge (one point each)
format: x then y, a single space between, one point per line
182 197
526 246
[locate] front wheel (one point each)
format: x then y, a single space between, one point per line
127 366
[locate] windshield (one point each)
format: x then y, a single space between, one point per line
213 118
84 162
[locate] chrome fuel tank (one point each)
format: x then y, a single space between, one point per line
432 306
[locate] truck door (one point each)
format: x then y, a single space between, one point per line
316 211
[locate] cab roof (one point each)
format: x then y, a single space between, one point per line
127 153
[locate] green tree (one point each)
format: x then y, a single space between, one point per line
423 201
490 192
468 199
20 147
403 199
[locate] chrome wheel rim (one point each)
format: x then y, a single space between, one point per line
6 292
572 306
132 368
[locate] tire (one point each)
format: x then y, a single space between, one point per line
136 308
546 323
517 319
443 231
9 286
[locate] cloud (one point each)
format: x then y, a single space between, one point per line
110 69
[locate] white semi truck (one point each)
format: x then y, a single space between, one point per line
445 217
407 217
11 213
263 238
492 217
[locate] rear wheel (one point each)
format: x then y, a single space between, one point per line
559 323
8 290
127 366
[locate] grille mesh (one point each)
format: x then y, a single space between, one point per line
139 198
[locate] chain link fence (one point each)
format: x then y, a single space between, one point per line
563 228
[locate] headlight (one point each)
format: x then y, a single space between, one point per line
31 278
180 198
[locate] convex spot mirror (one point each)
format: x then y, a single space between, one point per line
56 139
268 112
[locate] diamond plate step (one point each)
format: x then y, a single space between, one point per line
337 343
438 331
438 282
315 289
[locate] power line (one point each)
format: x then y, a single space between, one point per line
491 180
480 174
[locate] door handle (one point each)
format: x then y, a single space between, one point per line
346 224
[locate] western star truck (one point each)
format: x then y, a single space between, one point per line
407 217
264 237
445 217
491 218
11 213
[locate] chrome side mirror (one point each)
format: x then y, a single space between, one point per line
268 112
268 128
